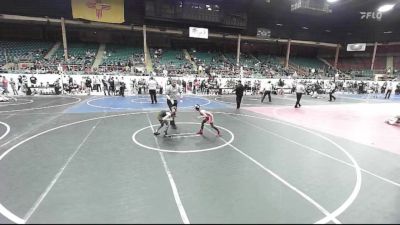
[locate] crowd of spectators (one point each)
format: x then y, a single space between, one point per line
211 63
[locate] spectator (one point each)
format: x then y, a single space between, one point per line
5 85
33 80
122 87
389 89
19 82
88 84
153 90
267 91
239 93
299 92
12 83
332 90
105 86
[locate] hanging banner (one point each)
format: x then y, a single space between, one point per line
106 11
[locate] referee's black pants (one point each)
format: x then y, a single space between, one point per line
388 92
269 96
298 96
153 96
238 101
331 96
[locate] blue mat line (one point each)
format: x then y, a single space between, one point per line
139 103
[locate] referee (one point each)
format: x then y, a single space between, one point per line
153 90
299 92
267 91
171 93
239 89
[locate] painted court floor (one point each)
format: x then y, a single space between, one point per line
94 159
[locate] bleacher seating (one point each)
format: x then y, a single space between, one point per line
121 55
212 59
360 66
231 58
220 64
268 59
82 54
249 61
173 61
204 57
380 63
356 63
23 51
173 58
308 62
270 66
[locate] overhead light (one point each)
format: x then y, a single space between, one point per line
331 1
388 32
279 24
386 8
328 31
305 28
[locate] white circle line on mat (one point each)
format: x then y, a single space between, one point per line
185 151
45 107
7 130
22 103
357 186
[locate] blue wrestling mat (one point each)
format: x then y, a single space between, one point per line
141 102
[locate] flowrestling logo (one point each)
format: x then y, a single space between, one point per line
371 15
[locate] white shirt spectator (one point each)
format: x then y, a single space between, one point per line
268 87
332 87
152 85
389 86
300 88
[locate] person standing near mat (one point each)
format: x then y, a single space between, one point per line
207 118
299 92
239 89
122 87
171 93
153 90
105 86
112 85
5 85
164 117
267 91
332 89
12 83
389 89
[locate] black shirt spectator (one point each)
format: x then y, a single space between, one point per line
20 79
104 81
88 82
33 79
239 94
